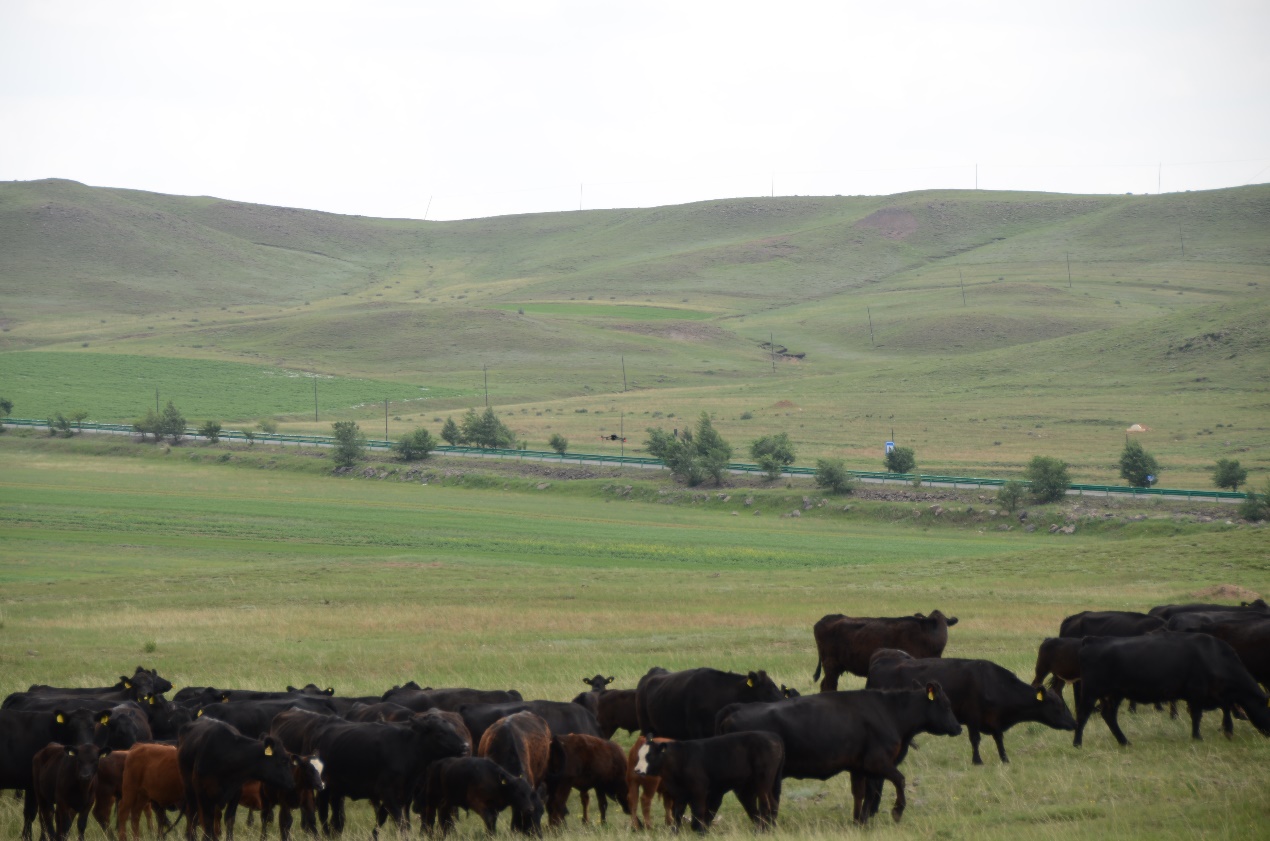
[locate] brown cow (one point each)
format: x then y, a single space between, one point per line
585 762
520 743
108 787
845 643
641 788
64 779
151 775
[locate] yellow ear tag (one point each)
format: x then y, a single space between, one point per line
151 697
200 712
1040 695
749 682
268 750
930 694
127 684
503 780
61 719
105 718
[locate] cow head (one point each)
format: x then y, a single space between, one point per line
1051 711
83 759
939 715
938 616
651 756
438 737
273 765
598 683
158 685
757 686
526 805
790 692
307 771
71 727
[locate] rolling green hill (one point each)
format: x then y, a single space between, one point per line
980 327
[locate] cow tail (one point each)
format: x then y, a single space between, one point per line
816 676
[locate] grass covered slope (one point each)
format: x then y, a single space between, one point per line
981 327
244 574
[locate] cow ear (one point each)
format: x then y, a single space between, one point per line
104 718
749 681
609 679
330 690
268 749
150 698
224 698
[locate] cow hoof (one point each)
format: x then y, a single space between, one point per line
896 814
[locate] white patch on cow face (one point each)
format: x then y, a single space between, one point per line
641 764
318 766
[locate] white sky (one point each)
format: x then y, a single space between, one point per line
467 108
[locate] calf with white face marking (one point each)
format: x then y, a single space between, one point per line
696 774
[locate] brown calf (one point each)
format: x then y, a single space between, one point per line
641 788
585 762
520 743
150 775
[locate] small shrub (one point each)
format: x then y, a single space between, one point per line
558 443
1256 506
832 475
773 453
747 416
268 425
1048 477
211 431
416 445
1010 495
901 460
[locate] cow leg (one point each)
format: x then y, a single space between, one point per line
830 681
585 796
1197 714
1110 706
28 813
999 738
974 745
1084 709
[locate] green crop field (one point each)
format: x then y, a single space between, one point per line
247 569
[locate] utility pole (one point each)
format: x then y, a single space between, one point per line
963 287
1069 270
871 344
623 374
426 209
485 369
621 432
771 346
1181 239
385 418
156 400
315 415
976 187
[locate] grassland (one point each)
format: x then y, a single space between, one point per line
980 328
261 570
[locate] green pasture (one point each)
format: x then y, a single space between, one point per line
247 572
632 312
120 388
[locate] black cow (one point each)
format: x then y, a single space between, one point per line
452 700
202 696
381 762
253 718
142 682
1249 636
845 643
1109 623
482 786
1060 657
63 776
1196 620
22 735
865 732
986 698
696 774
683 705
1168 611
1167 666
122 726
215 761
561 716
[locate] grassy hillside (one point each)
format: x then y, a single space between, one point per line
982 328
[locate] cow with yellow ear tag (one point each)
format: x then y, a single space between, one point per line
216 760
985 697
23 734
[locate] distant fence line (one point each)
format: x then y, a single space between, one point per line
637 461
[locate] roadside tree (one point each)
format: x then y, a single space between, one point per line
1048 477
1136 465
773 453
1229 474
350 444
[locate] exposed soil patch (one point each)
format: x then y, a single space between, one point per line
891 223
1227 591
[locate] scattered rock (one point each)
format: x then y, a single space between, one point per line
749 500
1004 527
542 486
795 513
733 513
937 510
992 512
1030 527
1068 530
1054 528
1022 516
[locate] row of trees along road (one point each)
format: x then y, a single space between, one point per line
693 456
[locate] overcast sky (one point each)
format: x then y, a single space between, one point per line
464 109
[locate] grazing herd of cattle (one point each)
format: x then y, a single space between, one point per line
703 732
